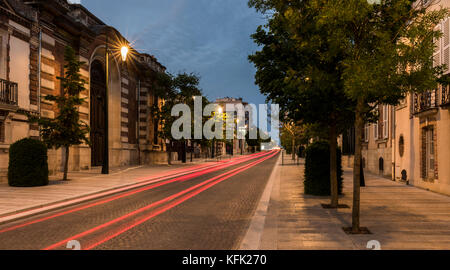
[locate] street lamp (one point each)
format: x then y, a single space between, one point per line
124 52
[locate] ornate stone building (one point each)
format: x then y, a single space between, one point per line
33 37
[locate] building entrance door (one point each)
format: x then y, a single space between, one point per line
97 97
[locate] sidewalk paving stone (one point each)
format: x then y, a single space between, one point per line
84 183
399 216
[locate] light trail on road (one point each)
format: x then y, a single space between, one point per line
195 190
186 174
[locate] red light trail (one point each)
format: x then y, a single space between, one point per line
200 188
195 171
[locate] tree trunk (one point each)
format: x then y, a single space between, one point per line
359 125
183 155
66 163
169 152
293 148
333 167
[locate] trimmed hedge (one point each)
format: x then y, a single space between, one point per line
317 169
28 165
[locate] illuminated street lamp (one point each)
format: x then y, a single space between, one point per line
124 52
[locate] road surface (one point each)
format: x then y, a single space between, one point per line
207 207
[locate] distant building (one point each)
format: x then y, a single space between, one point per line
235 146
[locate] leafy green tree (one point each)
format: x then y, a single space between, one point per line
385 49
302 135
298 69
173 90
66 129
376 52
291 136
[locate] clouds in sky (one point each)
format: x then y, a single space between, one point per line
208 37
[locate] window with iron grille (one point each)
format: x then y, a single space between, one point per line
428 152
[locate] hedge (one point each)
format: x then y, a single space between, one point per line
317 169
28 165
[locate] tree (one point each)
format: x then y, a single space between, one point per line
173 90
386 51
255 143
373 52
291 134
298 69
303 133
66 129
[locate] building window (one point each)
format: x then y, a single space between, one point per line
429 137
428 153
401 146
366 132
375 131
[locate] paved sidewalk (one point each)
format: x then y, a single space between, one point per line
81 184
399 216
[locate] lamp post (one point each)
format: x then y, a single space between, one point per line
124 53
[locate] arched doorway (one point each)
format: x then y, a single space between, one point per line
98 98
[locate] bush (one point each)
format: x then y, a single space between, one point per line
28 165
317 169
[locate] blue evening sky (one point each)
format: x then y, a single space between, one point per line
208 37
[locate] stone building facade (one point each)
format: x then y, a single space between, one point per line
422 136
235 146
422 155
33 37
377 143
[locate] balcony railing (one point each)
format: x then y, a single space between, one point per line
8 92
445 101
425 101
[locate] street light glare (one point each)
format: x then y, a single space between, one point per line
124 53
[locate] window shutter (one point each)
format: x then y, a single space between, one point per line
385 121
437 52
445 45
